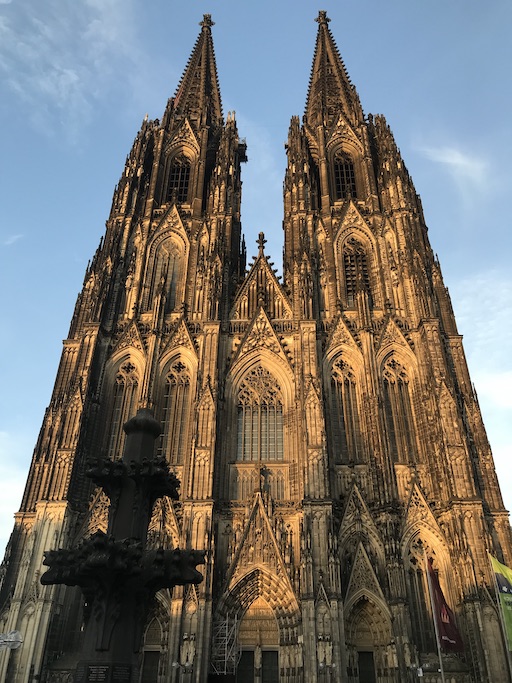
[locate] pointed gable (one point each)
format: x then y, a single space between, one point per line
258 547
184 137
131 338
391 337
418 514
341 335
260 335
164 528
343 134
357 517
352 220
261 289
363 580
180 337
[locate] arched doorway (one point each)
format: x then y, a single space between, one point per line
258 638
370 644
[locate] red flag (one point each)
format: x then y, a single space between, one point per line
449 636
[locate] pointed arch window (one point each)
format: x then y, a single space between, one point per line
419 597
179 179
344 176
175 416
355 270
398 412
164 275
345 414
260 418
123 407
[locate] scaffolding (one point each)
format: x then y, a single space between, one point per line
225 649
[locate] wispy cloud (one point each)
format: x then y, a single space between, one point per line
469 172
12 238
483 307
59 61
458 162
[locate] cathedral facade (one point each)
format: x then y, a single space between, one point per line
322 424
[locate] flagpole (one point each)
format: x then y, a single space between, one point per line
436 627
502 618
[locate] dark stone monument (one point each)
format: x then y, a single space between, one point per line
117 575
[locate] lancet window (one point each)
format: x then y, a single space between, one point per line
123 407
398 412
175 416
355 270
164 276
179 179
419 600
344 176
345 414
260 417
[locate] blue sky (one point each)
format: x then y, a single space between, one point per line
77 78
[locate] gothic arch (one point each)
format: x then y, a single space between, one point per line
185 154
422 541
185 353
369 635
272 362
166 266
399 396
129 354
343 380
349 352
256 583
121 387
356 256
156 640
176 394
350 540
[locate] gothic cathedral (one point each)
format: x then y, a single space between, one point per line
322 424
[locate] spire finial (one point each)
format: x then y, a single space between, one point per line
207 21
322 17
261 242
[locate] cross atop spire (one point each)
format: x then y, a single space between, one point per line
207 21
322 17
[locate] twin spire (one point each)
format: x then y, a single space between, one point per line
198 93
330 90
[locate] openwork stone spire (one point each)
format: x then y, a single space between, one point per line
330 90
198 93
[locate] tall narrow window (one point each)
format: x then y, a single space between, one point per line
398 412
260 418
175 414
179 178
345 414
344 177
355 268
419 600
164 271
124 407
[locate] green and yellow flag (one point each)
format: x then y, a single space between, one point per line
503 576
